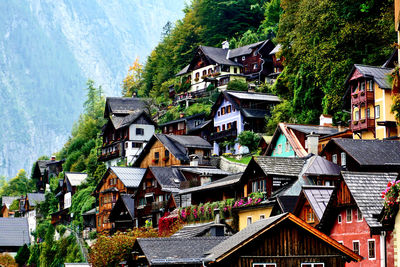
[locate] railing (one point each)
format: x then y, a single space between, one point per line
116 153
362 97
362 124
192 95
223 134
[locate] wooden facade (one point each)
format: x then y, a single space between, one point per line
160 156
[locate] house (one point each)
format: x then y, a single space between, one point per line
352 217
68 188
123 213
169 150
43 170
282 240
277 65
191 125
218 66
14 233
154 191
370 93
173 251
364 155
237 111
27 209
312 203
297 140
6 202
116 181
127 131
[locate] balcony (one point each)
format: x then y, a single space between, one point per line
362 97
362 125
156 206
223 134
111 151
192 95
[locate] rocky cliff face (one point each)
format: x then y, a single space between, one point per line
48 50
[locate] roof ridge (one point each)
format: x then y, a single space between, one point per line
371 66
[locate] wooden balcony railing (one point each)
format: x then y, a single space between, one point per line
362 124
223 134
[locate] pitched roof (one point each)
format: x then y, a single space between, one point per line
198 229
318 196
204 170
75 178
276 49
319 166
253 96
287 203
123 105
168 251
366 189
370 152
226 181
169 178
218 55
183 71
128 202
283 166
6 200
14 232
35 198
379 74
245 50
317 129
257 228
42 164
130 177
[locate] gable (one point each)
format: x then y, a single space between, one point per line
282 148
356 74
148 157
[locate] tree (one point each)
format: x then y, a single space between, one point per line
133 80
19 185
249 139
22 255
237 85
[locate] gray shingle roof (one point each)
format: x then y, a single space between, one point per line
168 177
366 189
123 105
307 129
281 165
226 181
319 166
183 71
168 251
130 177
218 55
128 202
379 74
199 229
205 170
276 49
318 197
14 232
371 152
241 236
75 178
35 198
5 200
43 165
254 113
191 141
244 50
254 96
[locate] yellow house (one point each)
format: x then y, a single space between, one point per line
251 214
371 101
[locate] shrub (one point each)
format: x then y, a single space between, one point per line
22 255
7 260
249 139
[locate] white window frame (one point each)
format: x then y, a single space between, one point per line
351 215
373 240
264 264
358 217
359 247
251 220
343 159
334 158
311 263
377 111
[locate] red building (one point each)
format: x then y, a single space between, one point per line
351 217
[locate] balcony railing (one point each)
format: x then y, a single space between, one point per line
362 97
223 134
108 152
192 95
362 124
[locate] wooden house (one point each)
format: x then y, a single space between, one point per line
43 170
127 131
312 202
352 217
116 180
171 150
14 233
123 213
282 240
364 155
370 98
154 191
297 140
191 125
235 112
6 202
69 185
277 64
28 203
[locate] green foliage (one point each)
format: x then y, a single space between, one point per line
273 11
82 201
320 42
249 139
17 186
49 206
22 255
281 113
93 235
14 205
61 229
237 85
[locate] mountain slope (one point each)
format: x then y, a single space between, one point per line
48 50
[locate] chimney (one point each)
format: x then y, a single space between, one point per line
217 230
53 158
225 45
312 143
325 120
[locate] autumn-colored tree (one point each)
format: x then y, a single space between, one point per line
133 81
7 260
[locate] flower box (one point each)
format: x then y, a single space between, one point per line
355 122
362 120
165 159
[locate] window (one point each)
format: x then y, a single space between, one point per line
371 86
229 126
287 146
209 71
279 149
99 221
249 220
359 216
139 131
166 153
181 126
349 215
264 264
334 158
223 127
343 159
228 109
356 115
371 249
356 247
234 70
255 66
235 59
218 129
262 217
156 155
339 218
313 264
204 72
243 58
126 144
197 75
254 186
367 113
136 145
362 86
377 111
309 215
263 186
219 113
223 111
